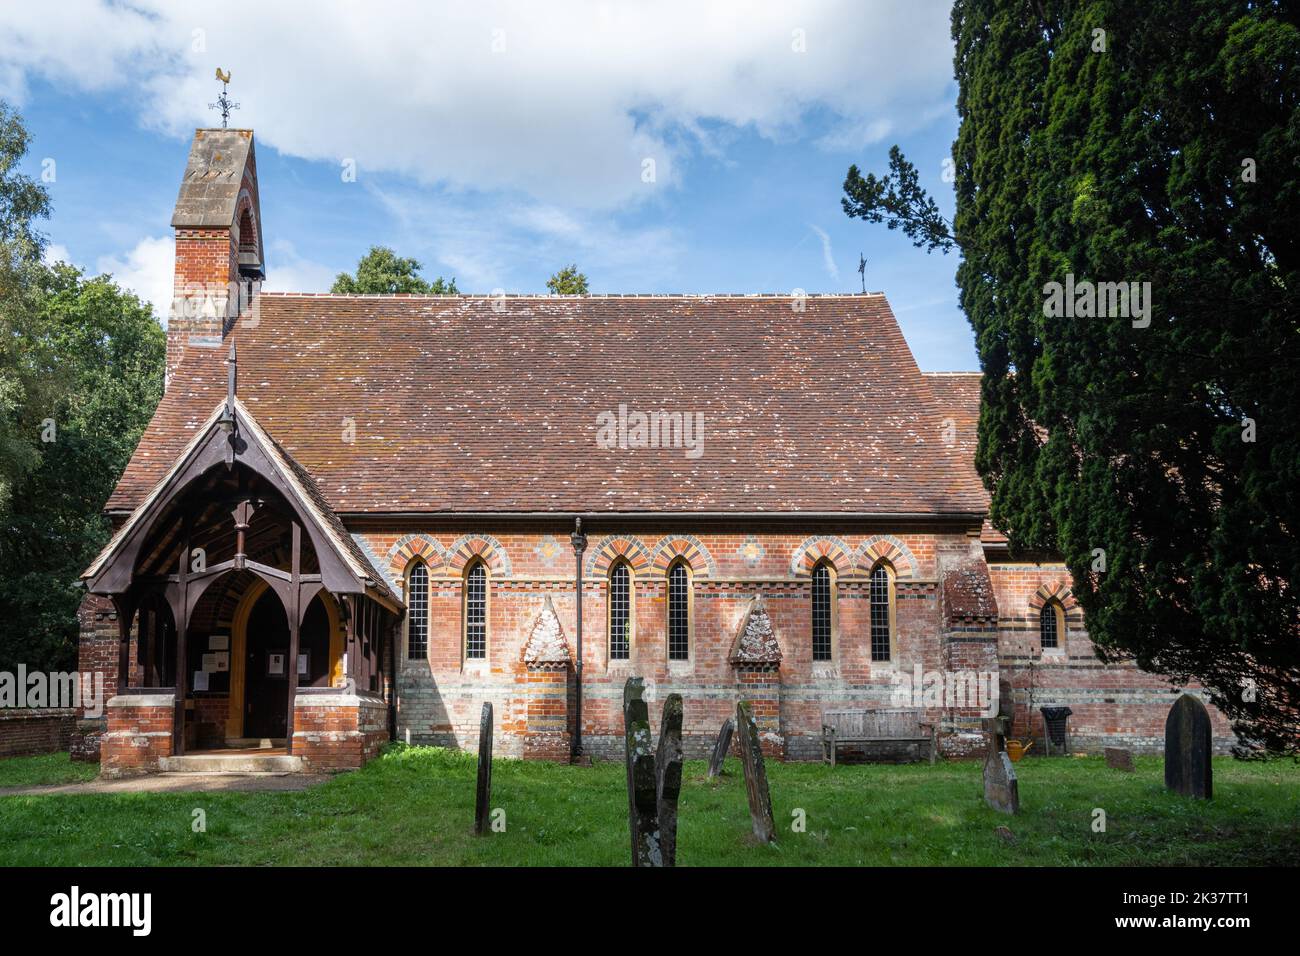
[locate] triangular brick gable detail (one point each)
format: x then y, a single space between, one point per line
756 642
546 646
968 594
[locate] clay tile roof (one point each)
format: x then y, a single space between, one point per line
958 396
483 404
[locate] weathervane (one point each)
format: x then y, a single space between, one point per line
862 271
223 101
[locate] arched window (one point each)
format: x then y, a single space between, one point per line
476 611
679 612
823 591
620 612
1051 625
417 611
882 613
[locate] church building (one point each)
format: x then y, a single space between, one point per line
355 519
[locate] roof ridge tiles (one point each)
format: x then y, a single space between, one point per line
596 295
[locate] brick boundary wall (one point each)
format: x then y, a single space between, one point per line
25 732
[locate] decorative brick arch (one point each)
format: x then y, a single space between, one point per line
470 546
612 547
409 547
685 546
814 549
886 547
1059 592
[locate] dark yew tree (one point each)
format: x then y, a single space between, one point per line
1131 142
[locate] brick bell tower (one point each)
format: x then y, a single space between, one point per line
218 223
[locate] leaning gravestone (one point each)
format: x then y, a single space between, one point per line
668 777
642 785
751 756
1119 758
721 748
1188 745
1001 790
483 795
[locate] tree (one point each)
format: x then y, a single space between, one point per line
81 369
107 352
568 281
382 272
1149 438
24 390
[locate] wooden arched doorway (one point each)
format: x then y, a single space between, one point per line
260 673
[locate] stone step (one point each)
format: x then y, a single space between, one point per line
231 763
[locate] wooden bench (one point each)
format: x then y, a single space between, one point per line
856 727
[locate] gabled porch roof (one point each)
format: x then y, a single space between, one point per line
345 569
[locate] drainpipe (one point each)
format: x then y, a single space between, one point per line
579 541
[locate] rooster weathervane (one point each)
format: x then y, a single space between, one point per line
223 101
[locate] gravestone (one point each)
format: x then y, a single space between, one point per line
1119 758
642 785
483 793
751 756
1001 790
721 748
668 777
1188 746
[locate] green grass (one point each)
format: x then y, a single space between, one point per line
47 768
414 806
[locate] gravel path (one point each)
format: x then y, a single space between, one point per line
176 782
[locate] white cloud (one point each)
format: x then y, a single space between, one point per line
489 242
828 257
576 97
56 252
147 270
286 271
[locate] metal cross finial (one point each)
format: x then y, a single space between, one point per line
223 102
227 420
231 377
862 270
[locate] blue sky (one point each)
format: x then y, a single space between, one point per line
497 145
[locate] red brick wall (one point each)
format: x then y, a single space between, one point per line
440 698
338 731
43 730
207 270
139 734
97 653
1113 704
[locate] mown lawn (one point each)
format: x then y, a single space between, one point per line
47 768
414 807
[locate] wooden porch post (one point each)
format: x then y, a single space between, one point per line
295 598
125 608
182 640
